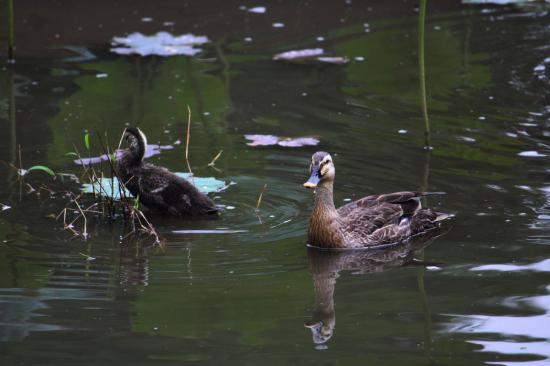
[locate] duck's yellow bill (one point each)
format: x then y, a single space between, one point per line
313 180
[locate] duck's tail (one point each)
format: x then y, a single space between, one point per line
433 193
441 216
426 219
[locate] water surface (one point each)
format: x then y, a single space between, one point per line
243 297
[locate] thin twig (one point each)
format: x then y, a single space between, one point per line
215 158
188 138
422 73
260 197
85 232
20 178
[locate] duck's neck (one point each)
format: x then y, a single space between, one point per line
324 201
130 158
324 225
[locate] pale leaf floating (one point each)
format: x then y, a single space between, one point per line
337 60
270 140
257 10
310 54
261 140
298 142
496 2
160 44
150 151
531 154
299 54
111 188
542 266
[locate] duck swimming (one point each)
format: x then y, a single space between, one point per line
157 187
372 221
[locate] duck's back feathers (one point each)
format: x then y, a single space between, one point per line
159 188
405 198
386 218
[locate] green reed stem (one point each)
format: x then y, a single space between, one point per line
422 72
10 31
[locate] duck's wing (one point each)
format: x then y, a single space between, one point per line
173 193
409 200
155 185
362 221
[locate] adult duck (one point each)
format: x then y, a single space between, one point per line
372 221
157 187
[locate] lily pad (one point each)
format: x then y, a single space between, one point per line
160 44
310 54
496 2
150 151
299 54
270 140
110 187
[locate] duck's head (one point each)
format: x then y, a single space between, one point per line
320 331
321 170
137 142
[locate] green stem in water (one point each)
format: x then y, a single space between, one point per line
10 31
422 72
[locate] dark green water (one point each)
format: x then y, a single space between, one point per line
244 298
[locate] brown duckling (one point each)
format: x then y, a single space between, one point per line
372 221
157 187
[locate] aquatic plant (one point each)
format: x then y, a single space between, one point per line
42 168
422 72
111 199
11 36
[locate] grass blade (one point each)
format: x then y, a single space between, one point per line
42 168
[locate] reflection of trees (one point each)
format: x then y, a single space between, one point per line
148 91
326 265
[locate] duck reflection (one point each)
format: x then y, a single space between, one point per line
325 266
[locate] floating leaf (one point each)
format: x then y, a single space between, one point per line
257 10
531 154
298 142
310 54
161 44
338 60
261 140
299 54
496 2
151 151
110 187
42 168
269 140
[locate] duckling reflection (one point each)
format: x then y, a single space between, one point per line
325 267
